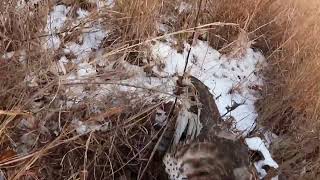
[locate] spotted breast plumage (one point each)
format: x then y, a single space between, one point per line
206 155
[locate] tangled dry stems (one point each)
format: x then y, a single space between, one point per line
286 32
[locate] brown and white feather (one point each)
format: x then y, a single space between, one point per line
208 156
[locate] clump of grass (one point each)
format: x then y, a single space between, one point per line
121 151
138 19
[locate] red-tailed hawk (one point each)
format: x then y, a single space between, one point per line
197 146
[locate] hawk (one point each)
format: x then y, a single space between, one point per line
197 147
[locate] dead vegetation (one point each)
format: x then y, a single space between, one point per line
286 32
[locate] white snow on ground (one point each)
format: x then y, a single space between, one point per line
82 13
8 55
92 35
87 127
104 3
55 22
220 74
31 80
92 38
256 144
184 7
139 85
22 3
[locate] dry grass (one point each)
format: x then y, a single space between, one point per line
291 103
39 142
288 35
286 32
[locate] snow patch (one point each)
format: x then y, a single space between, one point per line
256 144
137 85
91 41
82 13
104 3
87 127
229 80
8 55
55 22
23 3
85 70
140 85
184 6
31 80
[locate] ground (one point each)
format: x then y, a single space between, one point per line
87 84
